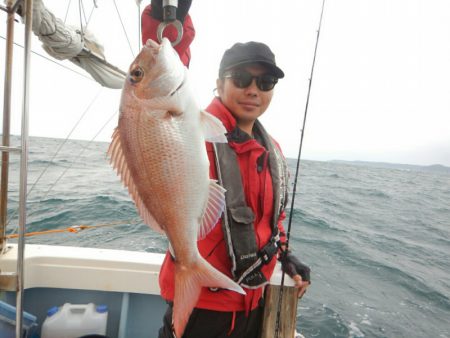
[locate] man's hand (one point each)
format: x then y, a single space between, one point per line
300 285
298 271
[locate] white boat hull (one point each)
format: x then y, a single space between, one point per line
126 281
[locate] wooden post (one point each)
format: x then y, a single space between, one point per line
288 314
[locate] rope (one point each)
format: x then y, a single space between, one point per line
72 229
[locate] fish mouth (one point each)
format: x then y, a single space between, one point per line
178 88
152 44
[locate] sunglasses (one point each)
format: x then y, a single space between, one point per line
243 79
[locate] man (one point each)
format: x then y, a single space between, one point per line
245 244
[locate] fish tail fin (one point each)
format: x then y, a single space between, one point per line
189 281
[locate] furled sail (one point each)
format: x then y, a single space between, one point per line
65 42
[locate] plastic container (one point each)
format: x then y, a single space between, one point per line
75 320
8 322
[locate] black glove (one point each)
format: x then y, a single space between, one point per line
292 266
182 10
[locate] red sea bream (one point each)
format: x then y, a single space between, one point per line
158 149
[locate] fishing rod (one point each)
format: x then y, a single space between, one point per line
288 234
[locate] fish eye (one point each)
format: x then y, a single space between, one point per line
136 74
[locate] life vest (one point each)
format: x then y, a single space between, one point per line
237 221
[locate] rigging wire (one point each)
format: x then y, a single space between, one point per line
302 132
124 30
73 162
57 152
53 61
81 13
77 158
65 140
67 11
90 16
80 5
87 20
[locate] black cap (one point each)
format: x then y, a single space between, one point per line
241 54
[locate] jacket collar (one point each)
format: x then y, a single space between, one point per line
235 134
217 108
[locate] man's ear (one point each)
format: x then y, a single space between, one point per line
219 86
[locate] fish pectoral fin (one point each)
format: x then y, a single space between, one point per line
119 163
213 128
169 104
188 283
214 208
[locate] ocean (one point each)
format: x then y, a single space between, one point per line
377 239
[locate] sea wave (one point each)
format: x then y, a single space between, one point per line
377 239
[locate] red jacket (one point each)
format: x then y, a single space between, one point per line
149 27
259 196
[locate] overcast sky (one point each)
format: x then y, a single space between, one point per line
381 88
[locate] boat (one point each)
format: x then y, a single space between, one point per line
35 278
125 281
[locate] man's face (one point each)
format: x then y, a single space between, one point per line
246 104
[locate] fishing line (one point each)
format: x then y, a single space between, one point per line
291 213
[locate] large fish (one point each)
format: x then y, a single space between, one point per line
159 152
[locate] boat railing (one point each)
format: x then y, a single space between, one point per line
13 281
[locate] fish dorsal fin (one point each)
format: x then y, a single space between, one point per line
213 128
213 210
117 159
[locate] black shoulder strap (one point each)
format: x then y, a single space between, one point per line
238 219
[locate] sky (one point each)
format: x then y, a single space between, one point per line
380 91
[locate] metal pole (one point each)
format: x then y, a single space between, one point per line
23 168
6 125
